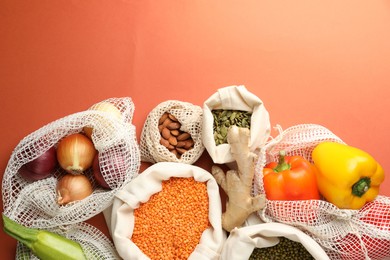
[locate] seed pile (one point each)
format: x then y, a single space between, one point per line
175 140
285 249
223 119
170 224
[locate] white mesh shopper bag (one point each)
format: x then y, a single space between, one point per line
342 233
34 204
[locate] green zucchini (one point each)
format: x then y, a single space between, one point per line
44 244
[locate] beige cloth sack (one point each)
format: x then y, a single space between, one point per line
190 117
120 218
242 241
234 98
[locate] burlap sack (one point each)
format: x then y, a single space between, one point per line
234 98
190 117
120 218
34 204
343 234
242 241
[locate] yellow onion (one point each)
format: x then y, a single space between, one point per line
75 153
72 188
105 107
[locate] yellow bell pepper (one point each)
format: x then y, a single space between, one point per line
347 176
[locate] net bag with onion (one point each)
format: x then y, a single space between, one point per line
49 184
343 233
172 132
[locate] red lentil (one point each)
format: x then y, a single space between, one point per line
170 224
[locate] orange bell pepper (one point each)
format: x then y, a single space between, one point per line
292 178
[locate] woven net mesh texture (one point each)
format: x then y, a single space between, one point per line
344 234
190 118
33 204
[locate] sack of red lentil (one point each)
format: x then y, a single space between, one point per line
342 233
39 201
172 133
271 241
233 105
170 211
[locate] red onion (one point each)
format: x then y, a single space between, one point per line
115 168
97 174
41 167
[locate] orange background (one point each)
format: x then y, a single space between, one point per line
323 62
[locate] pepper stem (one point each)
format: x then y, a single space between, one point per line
361 186
282 164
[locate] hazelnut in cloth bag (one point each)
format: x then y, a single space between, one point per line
122 219
236 98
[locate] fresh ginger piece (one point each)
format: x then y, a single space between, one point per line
237 184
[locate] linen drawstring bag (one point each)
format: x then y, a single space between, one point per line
121 221
234 98
242 241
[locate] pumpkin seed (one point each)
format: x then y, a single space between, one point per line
224 119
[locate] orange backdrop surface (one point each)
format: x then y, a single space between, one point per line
323 62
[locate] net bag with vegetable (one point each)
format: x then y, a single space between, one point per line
172 133
328 189
70 169
170 211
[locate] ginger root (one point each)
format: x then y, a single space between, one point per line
237 184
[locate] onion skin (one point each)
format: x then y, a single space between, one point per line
115 168
75 153
41 167
97 174
72 188
105 107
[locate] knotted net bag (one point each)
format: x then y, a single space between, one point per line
190 118
342 233
33 204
